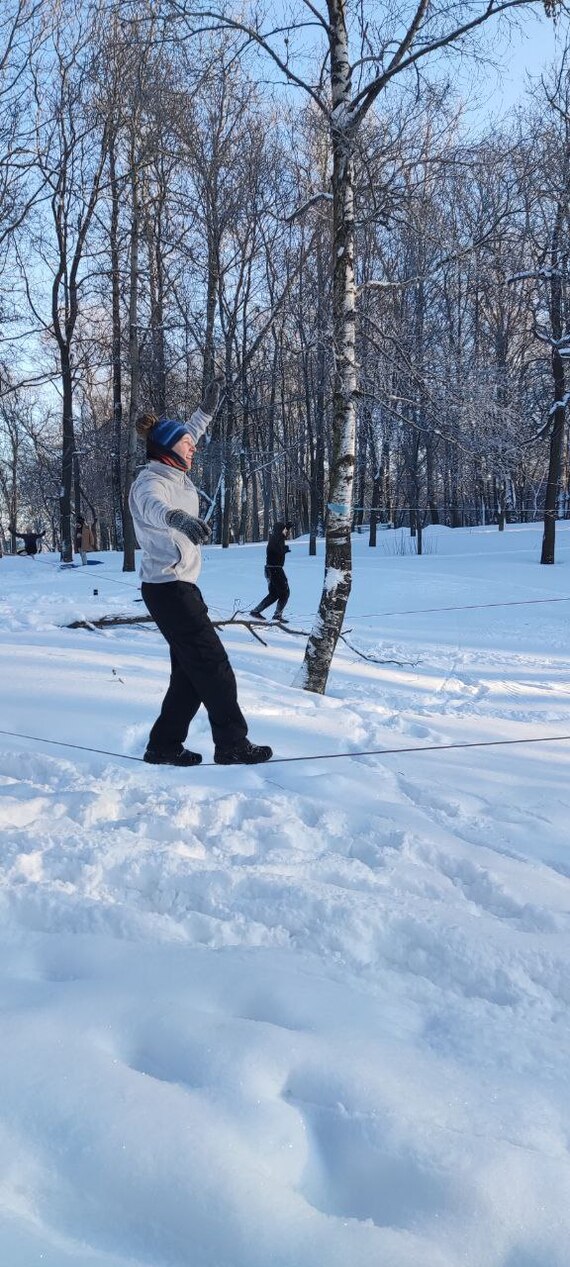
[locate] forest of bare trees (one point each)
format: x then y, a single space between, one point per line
184 190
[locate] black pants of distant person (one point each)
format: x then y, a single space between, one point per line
278 589
200 670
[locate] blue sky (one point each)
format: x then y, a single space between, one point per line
491 81
526 50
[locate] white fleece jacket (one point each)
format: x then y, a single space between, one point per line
167 555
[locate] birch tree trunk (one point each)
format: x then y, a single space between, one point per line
134 358
324 635
116 473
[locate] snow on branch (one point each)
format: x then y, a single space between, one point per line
451 258
559 404
305 206
342 116
537 274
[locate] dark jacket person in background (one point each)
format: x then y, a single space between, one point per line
274 573
30 540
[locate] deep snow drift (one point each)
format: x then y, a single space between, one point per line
310 1014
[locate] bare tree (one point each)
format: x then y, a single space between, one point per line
545 279
71 144
344 91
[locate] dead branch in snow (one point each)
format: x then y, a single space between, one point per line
108 622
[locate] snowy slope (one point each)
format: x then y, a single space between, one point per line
310 1013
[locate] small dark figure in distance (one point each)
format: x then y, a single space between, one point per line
274 573
165 508
30 540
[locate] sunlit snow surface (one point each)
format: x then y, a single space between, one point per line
306 1015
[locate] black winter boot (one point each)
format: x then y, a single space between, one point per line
172 756
258 615
242 753
280 617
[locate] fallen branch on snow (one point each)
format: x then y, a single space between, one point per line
409 664
107 622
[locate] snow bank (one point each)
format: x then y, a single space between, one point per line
299 1014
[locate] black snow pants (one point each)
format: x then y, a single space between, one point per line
200 670
278 589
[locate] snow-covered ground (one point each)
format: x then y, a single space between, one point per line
311 1014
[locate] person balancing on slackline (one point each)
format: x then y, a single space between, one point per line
165 509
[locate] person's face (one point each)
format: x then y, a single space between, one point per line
185 448
286 532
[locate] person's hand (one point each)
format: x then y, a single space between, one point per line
212 395
196 530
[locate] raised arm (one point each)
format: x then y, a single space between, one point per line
202 417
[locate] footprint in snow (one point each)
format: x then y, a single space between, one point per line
356 1170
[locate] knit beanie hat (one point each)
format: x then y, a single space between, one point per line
161 436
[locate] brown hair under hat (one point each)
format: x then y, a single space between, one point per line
145 423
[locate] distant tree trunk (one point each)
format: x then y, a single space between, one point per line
76 484
500 504
554 464
376 486
156 294
317 465
362 457
455 513
268 469
67 455
318 473
310 454
227 457
558 426
430 479
380 493
213 282
10 488
245 447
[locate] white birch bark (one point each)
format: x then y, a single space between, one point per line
324 635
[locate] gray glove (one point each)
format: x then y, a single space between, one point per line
195 529
212 395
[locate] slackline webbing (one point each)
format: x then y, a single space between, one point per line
319 756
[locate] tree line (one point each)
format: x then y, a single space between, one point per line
184 191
